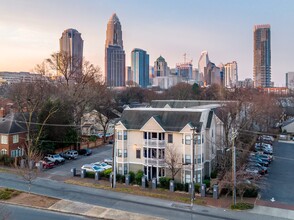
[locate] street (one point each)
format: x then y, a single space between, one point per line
13 212
125 202
279 183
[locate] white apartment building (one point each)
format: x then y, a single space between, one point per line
144 134
231 74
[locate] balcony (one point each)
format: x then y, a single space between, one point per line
155 143
154 162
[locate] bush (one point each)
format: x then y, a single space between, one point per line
197 187
242 206
90 175
132 177
6 160
253 192
120 178
138 177
6 194
207 183
106 173
179 187
213 174
164 182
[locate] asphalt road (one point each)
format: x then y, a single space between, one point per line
125 202
13 212
279 183
98 154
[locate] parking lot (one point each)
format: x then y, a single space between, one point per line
98 154
279 183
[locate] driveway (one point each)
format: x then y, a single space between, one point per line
279 183
98 154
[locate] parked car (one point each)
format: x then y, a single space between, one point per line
252 170
91 168
108 161
257 165
56 158
264 157
85 152
269 155
257 160
104 165
71 154
46 164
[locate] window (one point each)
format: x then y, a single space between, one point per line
188 178
17 153
154 135
145 152
15 138
161 136
125 135
188 159
125 153
170 138
119 135
4 139
145 135
161 154
3 152
138 154
198 177
188 139
125 169
119 153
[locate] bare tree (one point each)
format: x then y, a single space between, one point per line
173 160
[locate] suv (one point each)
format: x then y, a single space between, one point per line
71 154
56 158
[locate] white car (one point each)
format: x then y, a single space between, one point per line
56 158
91 168
108 161
103 165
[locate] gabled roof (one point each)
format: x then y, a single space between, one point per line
169 120
209 119
184 103
289 121
12 123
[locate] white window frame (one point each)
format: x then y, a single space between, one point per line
3 152
188 139
15 139
4 139
188 178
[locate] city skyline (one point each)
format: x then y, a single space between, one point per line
28 34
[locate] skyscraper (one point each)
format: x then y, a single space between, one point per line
140 67
71 45
202 63
160 67
231 74
114 54
290 80
262 56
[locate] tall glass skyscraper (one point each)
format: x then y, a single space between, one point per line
71 45
114 54
262 56
140 67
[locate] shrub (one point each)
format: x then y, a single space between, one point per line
253 192
138 177
186 185
164 182
6 194
6 160
197 187
207 183
90 175
213 174
179 187
120 178
242 206
132 177
106 173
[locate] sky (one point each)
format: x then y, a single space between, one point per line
30 30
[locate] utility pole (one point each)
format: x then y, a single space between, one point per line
193 166
234 168
114 161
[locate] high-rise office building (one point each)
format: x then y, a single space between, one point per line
114 54
262 56
231 74
290 80
71 46
140 67
160 67
202 63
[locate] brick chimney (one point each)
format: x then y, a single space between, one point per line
2 112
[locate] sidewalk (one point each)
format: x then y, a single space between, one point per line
79 208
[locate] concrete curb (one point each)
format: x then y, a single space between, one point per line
271 211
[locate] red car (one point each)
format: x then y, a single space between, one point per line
47 164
